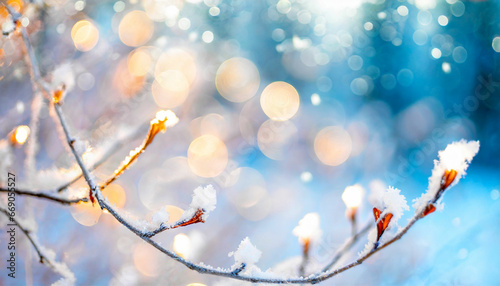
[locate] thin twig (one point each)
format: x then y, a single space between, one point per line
157 125
27 232
96 192
305 258
341 252
200 268
45 258
196 218
44 195
115 147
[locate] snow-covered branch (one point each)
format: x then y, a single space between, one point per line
62 199
388 207
45 255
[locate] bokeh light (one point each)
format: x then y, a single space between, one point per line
178 60
275 138
21 134
174 213
182 245
139 61
496 44
147 260
207 156
86 213
135 28
280 101
17 5
170 89
125 82
247 192
333 145
237 79
162 10
85 35
115 195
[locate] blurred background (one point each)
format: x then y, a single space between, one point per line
282 105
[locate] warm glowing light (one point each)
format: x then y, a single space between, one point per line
214 124
280 101
237 79
308 228
207 156
353 196
135 28
425 4
127 83
115 195
315 99
17 5
162 10
139 62
182 245
446 67
178 60
85 35
174 213
86 214
333 145
170 89
196 284
146 260
21 134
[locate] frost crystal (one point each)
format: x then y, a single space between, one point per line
308 228
392 202
456 156
160 217
247 253
63 74
203 199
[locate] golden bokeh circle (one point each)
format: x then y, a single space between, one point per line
86 213
275 138
170 89
207 156
237 79
139 61
333 145
84 35
115 195
146 260
280 101
135 28
179 60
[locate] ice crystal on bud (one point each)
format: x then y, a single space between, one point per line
204 199
246 254
63 75
160 217
392 202
456 156
166 116
163 120
308 228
